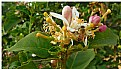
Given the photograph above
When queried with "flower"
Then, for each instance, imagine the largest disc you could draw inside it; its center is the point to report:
(67, 13)
(94, 19)
(73, 27)
(102, 28)
(72, 24)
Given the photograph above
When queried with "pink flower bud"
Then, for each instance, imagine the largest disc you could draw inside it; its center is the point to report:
(67, 13)
(90, 19)
(40, 66)
(102, 28)
(94, 19)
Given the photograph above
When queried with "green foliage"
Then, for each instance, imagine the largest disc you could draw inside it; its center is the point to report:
(104, 39)
(23, 9)
(22, 57)
(14, 65)
(11, 21)
(29, 65)
(37, 45)
(80, 59)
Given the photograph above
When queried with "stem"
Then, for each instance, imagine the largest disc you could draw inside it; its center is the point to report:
(115, 49)
(63, 59)
(44, 59)
(30, 25)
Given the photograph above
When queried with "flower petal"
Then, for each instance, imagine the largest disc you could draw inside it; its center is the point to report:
(67, 13)
(71, 29)
(85, 41)
(84, 24)
(59, 17)
(72, 42)
(75, 13)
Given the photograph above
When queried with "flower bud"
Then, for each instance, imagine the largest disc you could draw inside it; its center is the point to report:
(54, 63)
(94, 19)
(45, 14)
(38, 35)
(102, 28)
(67, 13)
(40, 66)
(64, 28)
(48, 20)
(90, 19)
(41, 35)
(109, 11)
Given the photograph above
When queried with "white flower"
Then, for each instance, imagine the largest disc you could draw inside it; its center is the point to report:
(75, 23)
(74, 26)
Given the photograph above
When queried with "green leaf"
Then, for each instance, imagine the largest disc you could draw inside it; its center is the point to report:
(80, 59)
(22, 57)
(14, 58)
(92, 64)
(91, 67)
(11, 21)
(101, 66)
(104, 39)
(29, 65)
(33, 44)
(14, 65)
(120, 34)
(23, 8)
(54, 50)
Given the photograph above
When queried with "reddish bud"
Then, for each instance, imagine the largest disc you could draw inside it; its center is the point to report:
(94, 19)
(54, 63)
(90, 19)
(40, 66)
(67, 13)
(102, 28)
(108, 66)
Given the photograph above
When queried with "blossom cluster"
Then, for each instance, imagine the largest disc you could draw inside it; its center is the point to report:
(74, 28)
